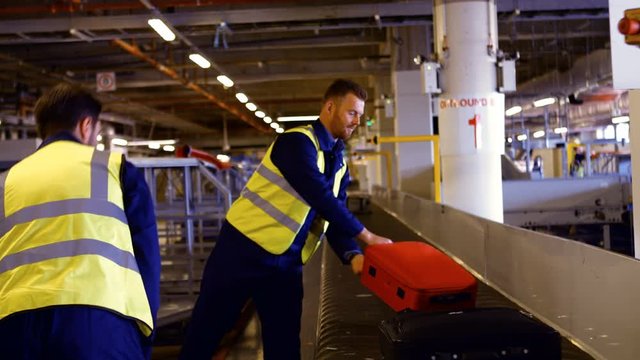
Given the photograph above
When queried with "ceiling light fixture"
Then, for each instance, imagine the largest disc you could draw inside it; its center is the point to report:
(225, 81)
(560, 130)
(162, 29)
(147, 142)
(544, 102)
(521, 137)
(200, 61)
(242, 97)
(620, 119)
(279, 130)
(260, 114)
(298, 118)
(267, 119)
(538, 134)
(119, 142)
(274, 125)
(513, 110)
(251, 106)
(168, 148)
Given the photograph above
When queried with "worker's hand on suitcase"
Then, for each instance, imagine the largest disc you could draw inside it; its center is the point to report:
(357, 263)
(370, 238)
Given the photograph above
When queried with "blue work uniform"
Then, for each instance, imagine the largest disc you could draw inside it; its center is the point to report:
(84, 332)
(239, 269)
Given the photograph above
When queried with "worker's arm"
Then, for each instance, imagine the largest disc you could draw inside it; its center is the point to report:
(295, 155)
(139, 209)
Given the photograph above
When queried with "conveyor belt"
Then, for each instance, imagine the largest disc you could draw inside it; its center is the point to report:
(349, 314)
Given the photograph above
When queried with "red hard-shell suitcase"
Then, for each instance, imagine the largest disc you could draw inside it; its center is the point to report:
(414, 275)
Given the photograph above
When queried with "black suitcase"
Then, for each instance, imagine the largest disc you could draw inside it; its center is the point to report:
(475, 334)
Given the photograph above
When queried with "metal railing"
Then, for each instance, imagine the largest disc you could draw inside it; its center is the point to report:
(190, 204)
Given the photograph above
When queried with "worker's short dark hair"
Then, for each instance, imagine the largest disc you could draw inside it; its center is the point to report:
(62, 107)
(341, 87)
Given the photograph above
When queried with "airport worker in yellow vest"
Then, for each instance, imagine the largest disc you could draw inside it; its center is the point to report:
(79, 257)
(295, 197)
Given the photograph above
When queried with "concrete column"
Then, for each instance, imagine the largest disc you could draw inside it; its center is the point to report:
(413, 115)
(471, 112)
(634, 144)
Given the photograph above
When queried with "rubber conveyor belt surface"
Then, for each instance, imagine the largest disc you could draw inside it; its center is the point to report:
(349, 314)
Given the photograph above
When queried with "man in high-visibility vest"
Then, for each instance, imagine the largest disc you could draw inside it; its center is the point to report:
(293, 199)
(79, 252)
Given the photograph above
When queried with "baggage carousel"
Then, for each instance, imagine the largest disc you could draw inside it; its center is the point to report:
(341, 317)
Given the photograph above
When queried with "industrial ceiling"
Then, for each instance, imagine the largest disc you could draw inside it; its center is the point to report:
(281, 54)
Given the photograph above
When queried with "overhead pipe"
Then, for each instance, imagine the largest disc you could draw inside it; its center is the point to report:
(436, 154)
(172, 73)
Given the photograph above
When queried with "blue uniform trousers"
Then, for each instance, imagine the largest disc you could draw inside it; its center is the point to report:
(239, 269)
(71, 333)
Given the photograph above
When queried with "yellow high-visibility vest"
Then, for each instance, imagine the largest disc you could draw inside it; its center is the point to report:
(270, 212)
(64, 237)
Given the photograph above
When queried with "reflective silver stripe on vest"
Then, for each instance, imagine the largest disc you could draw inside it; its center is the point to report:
(100, 175)
(59, 208)
(68, 249)
(3, 178)
(280, 181)
(265, 206)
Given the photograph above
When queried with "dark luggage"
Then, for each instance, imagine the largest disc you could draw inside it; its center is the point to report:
(475, 334)
(414, 275)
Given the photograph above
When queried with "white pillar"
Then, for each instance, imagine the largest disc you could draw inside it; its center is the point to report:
(634, 144)
(471, 112)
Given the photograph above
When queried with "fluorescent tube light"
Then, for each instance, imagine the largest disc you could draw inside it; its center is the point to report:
(544, 102)
(298, 118)
(225, 81)
(154, 146)
(200, 60)
(620, 119)
(223, 158)
(242, 97)
(560, 130)
(119, 142)
(147, 142)
(513, 110)
(162, 29)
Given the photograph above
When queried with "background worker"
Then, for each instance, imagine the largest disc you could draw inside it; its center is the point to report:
(79, 257)
(276, 225)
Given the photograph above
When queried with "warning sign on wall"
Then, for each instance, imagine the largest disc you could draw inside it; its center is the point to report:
(105, 81)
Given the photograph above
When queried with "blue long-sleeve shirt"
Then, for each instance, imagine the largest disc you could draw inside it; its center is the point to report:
(295, 155)
(138, 207)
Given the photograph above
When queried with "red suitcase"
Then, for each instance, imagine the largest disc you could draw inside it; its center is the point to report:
(414, 275)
